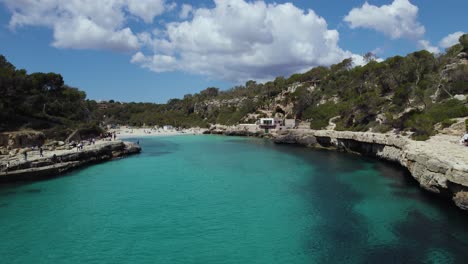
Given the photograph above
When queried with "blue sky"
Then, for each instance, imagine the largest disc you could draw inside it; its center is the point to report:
(151, 51)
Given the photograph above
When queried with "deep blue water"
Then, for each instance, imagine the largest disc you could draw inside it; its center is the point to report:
(210, 199)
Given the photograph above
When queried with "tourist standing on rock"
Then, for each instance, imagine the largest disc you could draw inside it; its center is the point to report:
(41, 150)
(25, 154)
(7, 167)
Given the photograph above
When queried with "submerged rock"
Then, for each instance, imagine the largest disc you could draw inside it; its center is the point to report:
(438, 164)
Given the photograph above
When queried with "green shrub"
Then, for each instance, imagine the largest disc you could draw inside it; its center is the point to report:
(464, 41)
(382, 128)
(447, 122)
(420, 137)
(422, 125)
(449, 109)
(320, 115)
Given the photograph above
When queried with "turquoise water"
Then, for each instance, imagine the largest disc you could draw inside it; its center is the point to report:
(209, 199)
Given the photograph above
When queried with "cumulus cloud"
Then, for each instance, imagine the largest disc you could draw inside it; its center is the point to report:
(146, 9)
(185, 11)
(424, 44)
(85, 24)
(451, 39)
(397, 20)
(266, 40)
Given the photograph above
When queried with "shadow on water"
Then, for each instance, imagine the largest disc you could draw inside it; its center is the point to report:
(343, 235)
(153, 148)
(422, 240)
(10, 189)
(33, 191)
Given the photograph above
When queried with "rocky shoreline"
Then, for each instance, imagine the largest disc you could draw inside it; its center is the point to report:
(57, 162)
(440, 165)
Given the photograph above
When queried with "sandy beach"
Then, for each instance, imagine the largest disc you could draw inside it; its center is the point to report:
(152, 132)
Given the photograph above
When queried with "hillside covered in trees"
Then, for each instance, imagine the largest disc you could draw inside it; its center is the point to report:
(411, 93)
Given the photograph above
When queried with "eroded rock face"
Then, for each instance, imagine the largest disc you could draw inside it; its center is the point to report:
(461, 199)
(437, 164)
(13, 140)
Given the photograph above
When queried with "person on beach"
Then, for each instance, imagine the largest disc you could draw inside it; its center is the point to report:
(464, 139)
(41, 152)
(25, 155)
(7, 167)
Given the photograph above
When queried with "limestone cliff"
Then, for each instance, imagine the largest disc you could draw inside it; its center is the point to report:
(439, 164)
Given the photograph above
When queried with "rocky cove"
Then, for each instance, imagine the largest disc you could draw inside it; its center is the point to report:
(61, 160)
(440, 164)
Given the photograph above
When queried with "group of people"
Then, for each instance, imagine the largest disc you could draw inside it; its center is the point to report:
(110, 135)
(80, 145)
(39, 148)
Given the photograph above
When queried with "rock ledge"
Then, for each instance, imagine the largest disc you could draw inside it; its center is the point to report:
(59, 162)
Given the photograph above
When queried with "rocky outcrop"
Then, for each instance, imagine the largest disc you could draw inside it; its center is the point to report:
(440, 165)
(209, 106)
(21, 139)
(234, 131)
(60, 161)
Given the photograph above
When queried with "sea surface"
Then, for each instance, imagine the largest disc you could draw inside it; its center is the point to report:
(213, 199)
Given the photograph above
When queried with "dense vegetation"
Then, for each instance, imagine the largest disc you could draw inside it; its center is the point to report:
(411, 93)
(40, 101)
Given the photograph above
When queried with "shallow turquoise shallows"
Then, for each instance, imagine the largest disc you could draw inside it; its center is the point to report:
(210, 199)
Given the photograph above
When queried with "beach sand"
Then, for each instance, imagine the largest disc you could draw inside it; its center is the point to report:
(151, 132)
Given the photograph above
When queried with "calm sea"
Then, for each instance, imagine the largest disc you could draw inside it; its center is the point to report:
(211, 199)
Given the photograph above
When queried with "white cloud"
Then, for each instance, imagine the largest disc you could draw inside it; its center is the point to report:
(185, 11)
(88, 35)
(146, 9)
(451, 39)
(397, 20)
(85, 24)
(424, 44)
(238, 40)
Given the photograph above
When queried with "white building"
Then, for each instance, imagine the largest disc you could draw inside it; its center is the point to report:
(270, 123)
(276, 123)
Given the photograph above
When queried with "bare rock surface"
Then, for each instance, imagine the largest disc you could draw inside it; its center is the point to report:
(60, 160)
(440, 164)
